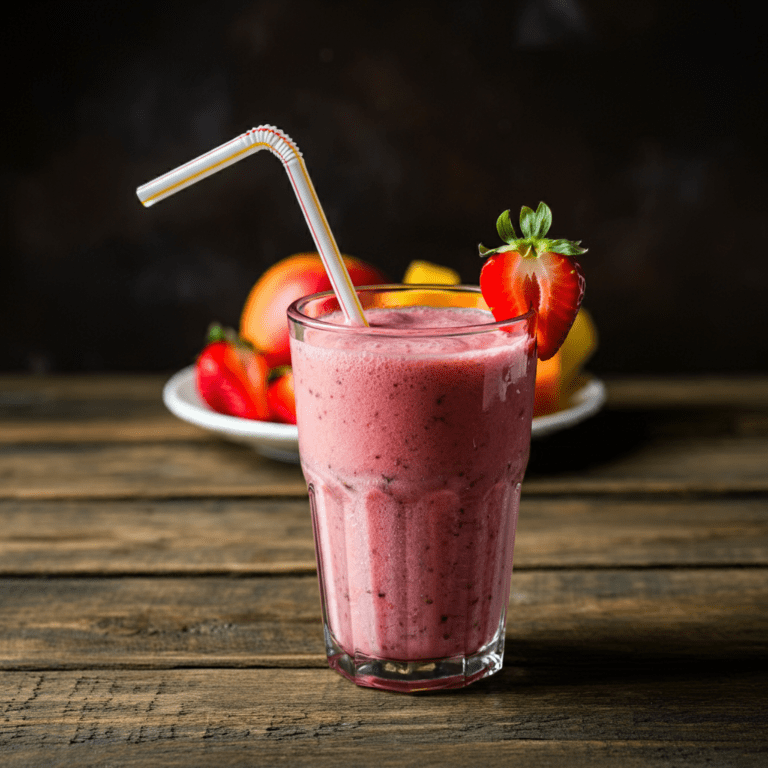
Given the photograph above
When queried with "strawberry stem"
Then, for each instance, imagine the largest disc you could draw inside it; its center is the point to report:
(276, 373)
(215, 333)
(218, 332)
(534, 225)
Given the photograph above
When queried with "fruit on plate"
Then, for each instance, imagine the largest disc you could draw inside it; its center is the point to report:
(534, 271)
(579, 345)
(546, 396)
(263, 322)
(431, 274)
(281, 396)
(559, 377)
(230, 377)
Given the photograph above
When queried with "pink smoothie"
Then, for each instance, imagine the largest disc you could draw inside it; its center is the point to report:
(414, 451)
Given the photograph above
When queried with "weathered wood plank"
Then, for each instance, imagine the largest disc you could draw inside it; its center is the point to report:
(193, 536)
(89, 409)
(701, 464)
(661, 436)
(636, 391)
(649, 714)
(745, 391)
(263, 536)
(664, 449)
(633, 665)
(96, 623)
(211, 468)
(24, 387)
(570, 617)
(130, 422)
(111, 409)
(609, 532)
(356, 750)
(143, 470)
(156, 623)
(129, 429)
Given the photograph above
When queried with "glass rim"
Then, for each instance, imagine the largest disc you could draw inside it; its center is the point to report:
(296, 315)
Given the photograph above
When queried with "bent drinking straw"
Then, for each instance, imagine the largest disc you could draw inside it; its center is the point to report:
(279, 144)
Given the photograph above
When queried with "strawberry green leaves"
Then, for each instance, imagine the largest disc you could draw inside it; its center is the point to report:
(534, 226)
(537, 272)
(505, 228)
(534, 223)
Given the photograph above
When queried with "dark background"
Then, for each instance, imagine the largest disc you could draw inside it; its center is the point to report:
(642, 124)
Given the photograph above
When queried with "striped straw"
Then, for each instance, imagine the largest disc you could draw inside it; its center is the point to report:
(279, 144)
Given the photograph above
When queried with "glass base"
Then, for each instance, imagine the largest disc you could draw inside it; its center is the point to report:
(421, 674)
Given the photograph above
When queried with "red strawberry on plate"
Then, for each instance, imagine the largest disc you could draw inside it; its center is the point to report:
(534, 271)
(232, 378)
(281, 396)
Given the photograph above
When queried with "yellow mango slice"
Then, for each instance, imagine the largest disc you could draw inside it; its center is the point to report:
(579, 345)
(547, 394)
(559, 377)
(430, 274)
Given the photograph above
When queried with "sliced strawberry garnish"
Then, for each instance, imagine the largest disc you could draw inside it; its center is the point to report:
(534, 271)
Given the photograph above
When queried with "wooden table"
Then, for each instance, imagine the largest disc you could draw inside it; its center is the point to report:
(159, 606)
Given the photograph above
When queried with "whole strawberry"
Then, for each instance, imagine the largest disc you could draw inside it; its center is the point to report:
(231, 378)
(281, 395)
(534, 271)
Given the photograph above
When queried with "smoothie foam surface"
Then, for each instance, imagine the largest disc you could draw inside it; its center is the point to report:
(413, 331)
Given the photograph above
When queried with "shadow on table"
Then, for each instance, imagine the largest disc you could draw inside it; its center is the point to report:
(606, 437)
(619, 431)
(651, 657)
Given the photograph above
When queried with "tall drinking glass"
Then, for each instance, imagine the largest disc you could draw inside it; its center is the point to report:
(414, 435)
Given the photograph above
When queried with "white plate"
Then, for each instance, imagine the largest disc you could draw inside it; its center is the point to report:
(281, 441)
(277, 441)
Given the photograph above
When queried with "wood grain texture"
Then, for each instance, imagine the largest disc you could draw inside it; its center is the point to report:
(108, 409)
(357, 750)
(172, 536)
(580, 618)
(130, 429)
(711, 465)
(108, 437)
(643, 391)
(159, 606)
(599, 532)
(148, 470)
(76, 409)
(125, 387)
(143, 470)
(302, 716)
(673, 392)
(274, 536)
